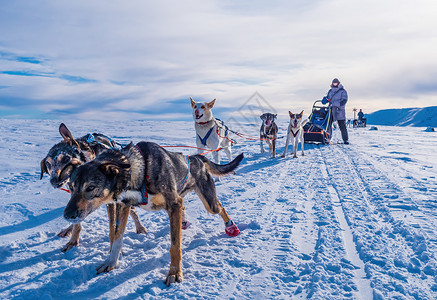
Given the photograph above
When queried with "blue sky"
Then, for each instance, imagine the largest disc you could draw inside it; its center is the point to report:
(144, 59)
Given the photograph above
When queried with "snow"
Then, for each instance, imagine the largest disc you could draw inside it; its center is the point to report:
(342, 222)
(419, 117)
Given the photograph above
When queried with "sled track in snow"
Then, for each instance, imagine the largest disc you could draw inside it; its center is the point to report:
(365, 290)
(391, 249)
(414, 199)
(327, 262)
(395, 199)
(281, 200)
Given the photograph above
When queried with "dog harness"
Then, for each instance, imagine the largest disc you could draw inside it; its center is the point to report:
(220, 124)
(92, 139)
(205, 138)
(144, 194)
(186, 177)
(294, 134)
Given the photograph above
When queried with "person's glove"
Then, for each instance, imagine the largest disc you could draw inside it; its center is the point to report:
(325, 100)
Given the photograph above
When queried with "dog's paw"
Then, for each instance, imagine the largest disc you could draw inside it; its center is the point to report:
(295, 156)
(141, 230)
(66, 232)
(303, 154)
(107, 266)
(185, 225)
(173, 277)
(283, 155)
(69, 246)
(232, 230)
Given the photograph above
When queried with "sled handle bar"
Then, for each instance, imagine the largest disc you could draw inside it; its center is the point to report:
(321, 104)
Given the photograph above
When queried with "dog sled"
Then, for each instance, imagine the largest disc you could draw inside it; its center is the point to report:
(359, 123)
(318, 128)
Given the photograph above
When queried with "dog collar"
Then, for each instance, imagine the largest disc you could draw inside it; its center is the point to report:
(204, 123)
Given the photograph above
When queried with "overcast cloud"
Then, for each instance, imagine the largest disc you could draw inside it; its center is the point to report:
(144, 59)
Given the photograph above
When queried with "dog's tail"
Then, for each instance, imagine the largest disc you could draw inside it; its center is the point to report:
(221, 170)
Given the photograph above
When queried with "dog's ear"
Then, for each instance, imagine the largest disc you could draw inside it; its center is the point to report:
(275, 116)
(211, 104)
(112, 169)
(301, 113)
(193, 103)
(129, 146)
(262, 116)
(43, 168)
(291, 114)
(68, 137)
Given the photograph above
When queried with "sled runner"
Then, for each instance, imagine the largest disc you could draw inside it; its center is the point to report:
(317, 130)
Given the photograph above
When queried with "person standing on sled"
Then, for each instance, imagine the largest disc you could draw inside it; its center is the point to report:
(337, 97)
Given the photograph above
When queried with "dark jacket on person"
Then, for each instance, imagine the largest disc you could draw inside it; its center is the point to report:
(338, 98)
(360, 115)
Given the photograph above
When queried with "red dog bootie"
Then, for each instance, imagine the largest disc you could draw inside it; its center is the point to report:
(231, 229)
(185, 225)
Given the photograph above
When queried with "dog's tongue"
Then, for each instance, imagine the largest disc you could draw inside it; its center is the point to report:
(268, 122)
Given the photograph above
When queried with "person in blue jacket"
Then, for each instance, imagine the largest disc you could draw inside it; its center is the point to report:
(337, 97)
(360, 115)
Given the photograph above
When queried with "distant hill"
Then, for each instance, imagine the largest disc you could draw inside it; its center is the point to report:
(419, 117)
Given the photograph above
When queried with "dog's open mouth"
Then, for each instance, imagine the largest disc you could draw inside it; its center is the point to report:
(199, 116)
(65, 175)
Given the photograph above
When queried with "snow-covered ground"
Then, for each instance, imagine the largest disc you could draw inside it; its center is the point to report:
(356, 221)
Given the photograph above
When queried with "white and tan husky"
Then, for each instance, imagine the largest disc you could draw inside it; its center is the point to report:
(295, 133)
(211, 133)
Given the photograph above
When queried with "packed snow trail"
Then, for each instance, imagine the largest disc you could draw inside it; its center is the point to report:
(342, 222)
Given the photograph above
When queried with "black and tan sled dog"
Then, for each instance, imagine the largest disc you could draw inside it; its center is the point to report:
(64, 157)
(148, 176)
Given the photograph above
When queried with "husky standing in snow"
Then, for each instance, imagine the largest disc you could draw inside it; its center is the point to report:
(148, 176)
(295, 133)
(268, 132)
(210, 132)
(64, 157)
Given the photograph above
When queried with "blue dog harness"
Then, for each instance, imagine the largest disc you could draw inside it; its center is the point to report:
(92, 139)
(220, 124)
(205, 138)
(186, 177)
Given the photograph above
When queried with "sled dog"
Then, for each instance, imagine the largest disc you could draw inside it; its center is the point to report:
(211, 133)
(268, 132)
(148, 176)
(64, 157)
(295, 133)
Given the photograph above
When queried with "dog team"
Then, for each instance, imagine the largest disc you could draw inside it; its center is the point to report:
(96, 172)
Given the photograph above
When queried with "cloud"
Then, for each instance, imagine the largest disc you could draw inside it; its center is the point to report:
(139, 58)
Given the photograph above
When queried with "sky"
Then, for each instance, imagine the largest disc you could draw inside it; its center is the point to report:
(144, 59)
